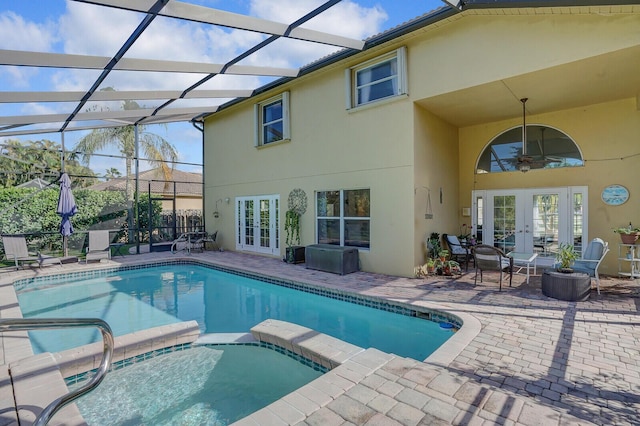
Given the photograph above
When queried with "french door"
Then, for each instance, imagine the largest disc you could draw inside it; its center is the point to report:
(531, 220)
(257, 220)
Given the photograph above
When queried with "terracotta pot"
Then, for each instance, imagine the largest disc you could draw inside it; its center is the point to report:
(629, 238)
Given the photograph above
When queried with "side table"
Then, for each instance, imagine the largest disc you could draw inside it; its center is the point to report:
(573, 287)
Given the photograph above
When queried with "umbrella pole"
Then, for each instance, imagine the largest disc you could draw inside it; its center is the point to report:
(65, 248)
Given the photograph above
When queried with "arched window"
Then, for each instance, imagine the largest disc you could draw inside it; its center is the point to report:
(547, 148)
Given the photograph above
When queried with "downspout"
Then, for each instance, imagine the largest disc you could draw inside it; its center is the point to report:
(199, 125)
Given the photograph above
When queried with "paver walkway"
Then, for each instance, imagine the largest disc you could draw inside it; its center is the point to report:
(535, 360)
(580, 358)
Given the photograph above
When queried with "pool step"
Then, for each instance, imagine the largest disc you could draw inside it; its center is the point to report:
(222, 338)
(37, 381)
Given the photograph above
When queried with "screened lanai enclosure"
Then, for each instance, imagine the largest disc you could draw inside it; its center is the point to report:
(120, 109)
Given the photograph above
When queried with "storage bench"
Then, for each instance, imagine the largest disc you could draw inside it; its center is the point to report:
(330, 258)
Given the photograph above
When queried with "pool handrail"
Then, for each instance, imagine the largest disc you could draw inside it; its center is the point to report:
(24, 324)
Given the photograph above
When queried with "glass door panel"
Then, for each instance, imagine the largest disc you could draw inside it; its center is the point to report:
(248, 223)
(546, 222)
(265, 222)
(504, 222)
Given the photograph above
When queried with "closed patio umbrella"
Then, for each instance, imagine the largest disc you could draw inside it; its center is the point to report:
(66, 208)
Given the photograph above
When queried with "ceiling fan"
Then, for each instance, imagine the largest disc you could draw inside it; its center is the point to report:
(526, 162)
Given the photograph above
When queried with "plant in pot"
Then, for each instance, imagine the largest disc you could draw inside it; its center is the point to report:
(628, 234)
(565, 257)
(433, 245)
(297, 206)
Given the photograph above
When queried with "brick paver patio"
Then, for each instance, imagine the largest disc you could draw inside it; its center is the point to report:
(534, 361)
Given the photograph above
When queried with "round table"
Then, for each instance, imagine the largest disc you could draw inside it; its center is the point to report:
(574, 287)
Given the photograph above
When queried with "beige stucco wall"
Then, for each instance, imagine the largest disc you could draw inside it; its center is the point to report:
(606, 134)
(489, 47)
(399, 148)
(183, 203)
(436, 169)
(330, 149)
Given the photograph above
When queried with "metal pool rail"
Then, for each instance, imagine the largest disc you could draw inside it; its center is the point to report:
(54, 323)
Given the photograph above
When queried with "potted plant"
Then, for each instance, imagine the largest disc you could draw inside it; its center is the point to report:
(433, 245)
(450, 267)
(297, 206)
(565, 257)
(628, 234)
(443, 254)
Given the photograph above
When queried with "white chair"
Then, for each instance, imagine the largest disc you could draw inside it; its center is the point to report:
(596, 250)
(15, 248)
(98, 248)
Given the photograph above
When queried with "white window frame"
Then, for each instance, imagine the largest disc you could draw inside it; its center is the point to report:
(260, 123)
(342, 218)
(400, 55)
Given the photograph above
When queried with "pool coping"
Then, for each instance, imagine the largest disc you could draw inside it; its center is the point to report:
(470, 327)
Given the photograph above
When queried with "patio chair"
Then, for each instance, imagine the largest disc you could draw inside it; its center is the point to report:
(211, 239)
(596, 250)
(459, 252)
(15, 248)
(98, 248)
(490, 258)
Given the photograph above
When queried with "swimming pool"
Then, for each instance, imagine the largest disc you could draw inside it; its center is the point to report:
(138, 298)
(212, 385)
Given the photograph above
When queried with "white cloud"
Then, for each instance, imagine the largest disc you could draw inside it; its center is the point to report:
(95, 30)
(18, 34)
(347, 19)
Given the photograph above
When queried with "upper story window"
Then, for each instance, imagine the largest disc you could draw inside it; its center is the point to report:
(380, 78)
(272, 120)
(547, 148)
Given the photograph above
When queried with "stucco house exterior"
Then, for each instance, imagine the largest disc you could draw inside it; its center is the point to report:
(420, 132)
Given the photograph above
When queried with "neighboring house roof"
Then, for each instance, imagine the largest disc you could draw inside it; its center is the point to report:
(34, 183)
(187, 183)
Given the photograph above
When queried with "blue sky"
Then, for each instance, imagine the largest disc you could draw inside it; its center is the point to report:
(63, 26)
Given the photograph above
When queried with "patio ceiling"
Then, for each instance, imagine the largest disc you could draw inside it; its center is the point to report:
(84, 109)
(598, 79)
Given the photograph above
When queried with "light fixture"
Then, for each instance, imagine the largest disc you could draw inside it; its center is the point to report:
(524, 161)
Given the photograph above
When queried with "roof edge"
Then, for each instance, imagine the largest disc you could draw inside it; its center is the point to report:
(376, 40)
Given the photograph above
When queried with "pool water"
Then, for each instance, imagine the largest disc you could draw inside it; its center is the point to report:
(214, 385)
(220, 302)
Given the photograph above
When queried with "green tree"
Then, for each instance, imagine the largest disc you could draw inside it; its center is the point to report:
(21, 162)
(112, 173)
(155, 149)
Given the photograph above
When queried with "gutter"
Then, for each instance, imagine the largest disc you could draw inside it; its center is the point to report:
(384, 37)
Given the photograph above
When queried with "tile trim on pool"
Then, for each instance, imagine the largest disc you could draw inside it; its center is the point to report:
(369, 301)
(118, 365)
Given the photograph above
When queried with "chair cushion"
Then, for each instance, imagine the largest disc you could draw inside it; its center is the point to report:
(585, 268)
(594, 249)
(455, 246)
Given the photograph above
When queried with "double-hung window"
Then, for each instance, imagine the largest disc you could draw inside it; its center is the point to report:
(272, 120)
(380, 78)
(343, 217)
